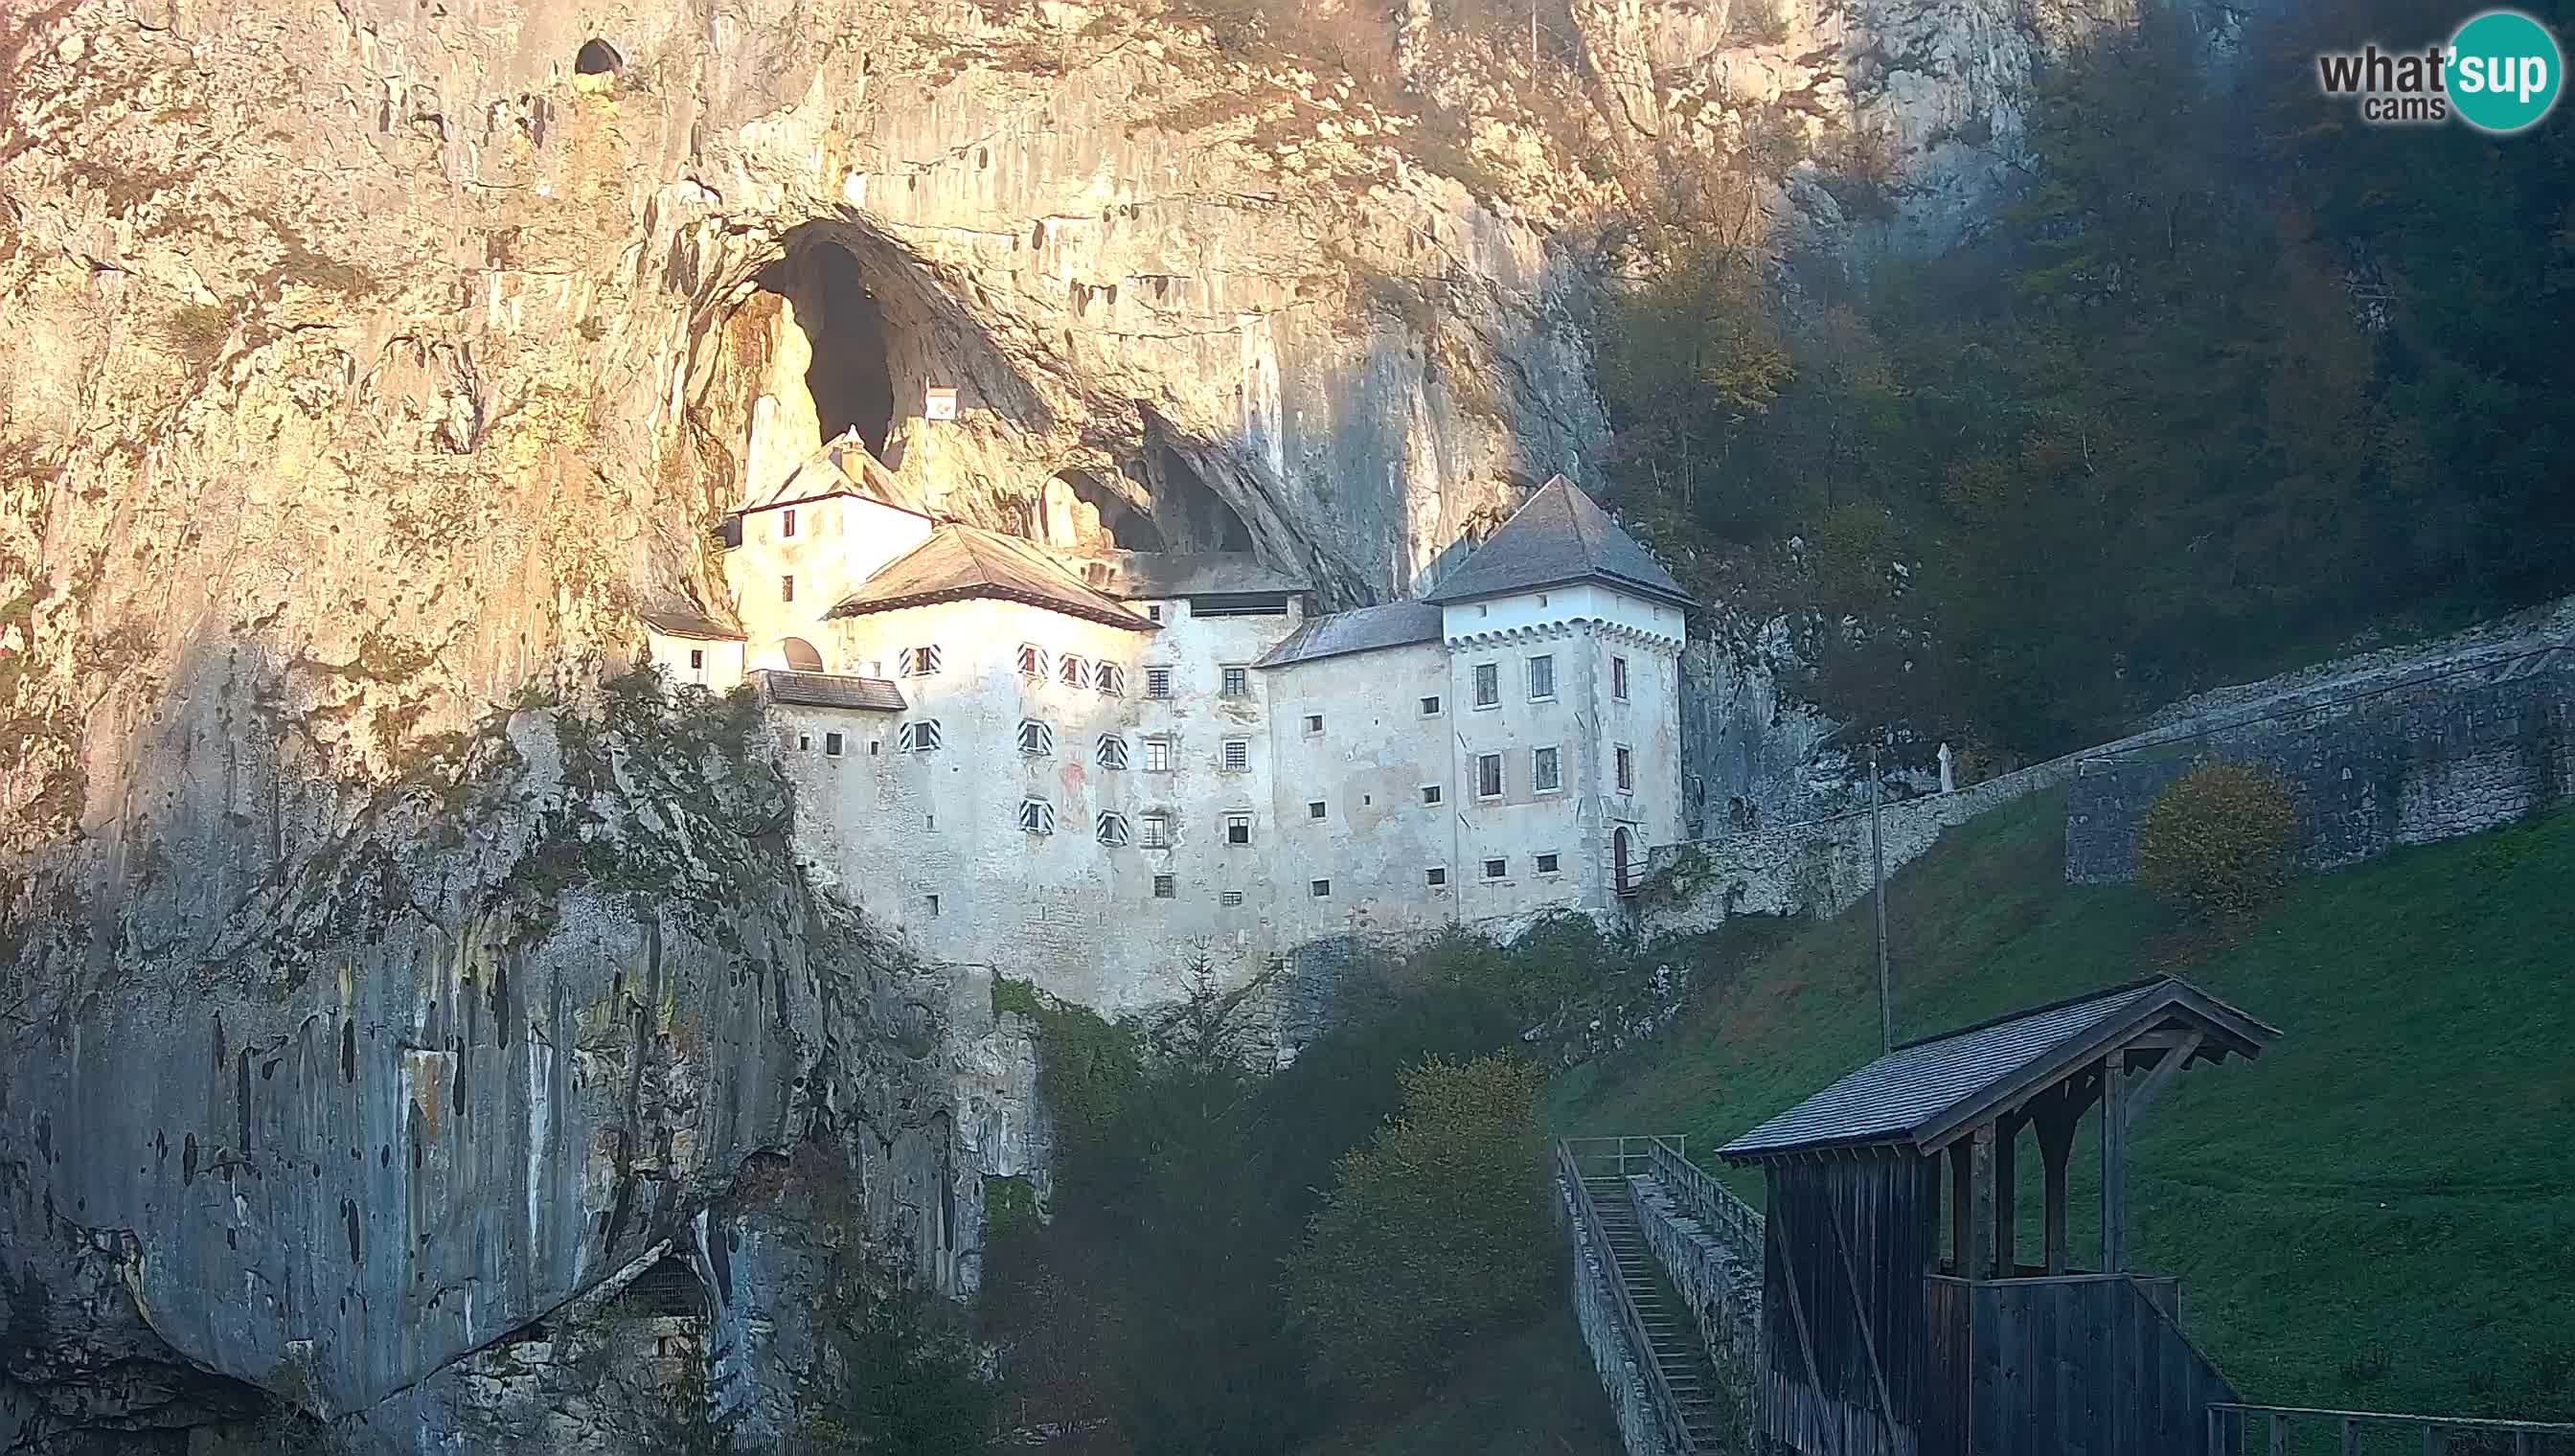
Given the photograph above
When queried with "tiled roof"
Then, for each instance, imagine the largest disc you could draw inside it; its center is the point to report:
(842, 466)
(962, 562)
(1141, 575)
(1560, 535)
(689, 622)
(1919, 1092)
(1394, 624)
(832, 690)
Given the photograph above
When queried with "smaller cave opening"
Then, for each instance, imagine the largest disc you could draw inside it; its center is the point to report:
(1080, 512)
(597, 58)
(1206, 520)
(669, 1288)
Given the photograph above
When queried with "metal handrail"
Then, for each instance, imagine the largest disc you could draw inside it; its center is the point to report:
(1713, 1202)
(2434, 1428)
(1667, 1406)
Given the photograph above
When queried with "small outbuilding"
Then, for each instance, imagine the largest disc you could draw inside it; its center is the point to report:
(1899, 1317)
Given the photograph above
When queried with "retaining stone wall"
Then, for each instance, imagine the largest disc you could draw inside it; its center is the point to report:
(1715, 1278)
(1596, 1309)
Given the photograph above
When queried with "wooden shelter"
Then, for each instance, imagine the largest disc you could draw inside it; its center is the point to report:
(1889, 1328)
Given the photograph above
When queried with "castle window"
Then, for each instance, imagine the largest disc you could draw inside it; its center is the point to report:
(831, 744)
(1237, 682)
(1157, 682)
(696, 659)
(787, 589)
(1110, 679)
(920, 736)
(1627, 770)
(1488, 775)
(1547, 771)
(1111, 830)
(1315, 808)
(1229, 899)
(1618, 679)
(1033, 661)
(1320, 888)
(1036, 817)
(1488, 684)
(1237, 829)
(1497, 869)
(933, 904)
(1238, 754)
(1541, 678)
(1037, 740)
(1074, 671)
(1158, 755)
(1431, 794)
(803, 742)
(1165, 887)
(1153, 613)
(1157, 831)
(1431, 705)
(920, 662)
(1435, 876)
(1313, 725)
(787, 523)
(1110, 751)
(1546, 865)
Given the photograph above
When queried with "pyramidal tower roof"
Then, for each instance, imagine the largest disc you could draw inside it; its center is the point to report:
(1557, 536)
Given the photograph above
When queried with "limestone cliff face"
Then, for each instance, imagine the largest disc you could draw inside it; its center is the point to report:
(370, 984)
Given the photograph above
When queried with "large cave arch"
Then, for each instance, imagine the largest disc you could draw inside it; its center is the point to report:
(853, 368)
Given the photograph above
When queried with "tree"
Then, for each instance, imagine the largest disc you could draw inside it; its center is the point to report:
(1433, 1234)
(2217, 844)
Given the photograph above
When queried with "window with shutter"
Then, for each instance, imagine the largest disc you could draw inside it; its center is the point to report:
(1037, 740)
(1036, 817)
(1111, 751)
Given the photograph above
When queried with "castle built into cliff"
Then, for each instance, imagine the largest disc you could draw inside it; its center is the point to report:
(1090, 769)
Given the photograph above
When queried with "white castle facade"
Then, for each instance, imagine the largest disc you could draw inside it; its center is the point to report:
(1089, 771)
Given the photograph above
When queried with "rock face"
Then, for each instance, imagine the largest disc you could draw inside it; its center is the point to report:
(371, 984)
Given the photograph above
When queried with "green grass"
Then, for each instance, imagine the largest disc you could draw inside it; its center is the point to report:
(2379, 1213)
(1529, 1392)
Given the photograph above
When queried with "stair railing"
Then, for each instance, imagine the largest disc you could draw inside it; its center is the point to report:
(1658, 1389)
(2228, 1419)
(1709, 1202)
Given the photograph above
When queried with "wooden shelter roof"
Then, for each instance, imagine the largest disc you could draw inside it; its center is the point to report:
(1924, 1094)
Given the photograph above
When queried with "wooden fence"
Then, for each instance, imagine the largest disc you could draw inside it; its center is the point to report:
(2231, 1424)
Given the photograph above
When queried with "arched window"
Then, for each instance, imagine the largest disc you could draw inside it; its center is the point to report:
(1072, 672)
(1033, 661)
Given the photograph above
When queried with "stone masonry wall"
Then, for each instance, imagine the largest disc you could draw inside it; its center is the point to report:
(1596, 1309)
(2427, 759)
(1709, 1242)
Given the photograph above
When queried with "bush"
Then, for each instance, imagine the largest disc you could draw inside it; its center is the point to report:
(2217, 844)
(1434, 1234)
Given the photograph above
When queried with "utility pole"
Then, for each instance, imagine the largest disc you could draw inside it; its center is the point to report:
(1878, 859)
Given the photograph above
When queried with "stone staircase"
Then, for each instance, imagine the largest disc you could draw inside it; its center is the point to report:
(1677, 1349)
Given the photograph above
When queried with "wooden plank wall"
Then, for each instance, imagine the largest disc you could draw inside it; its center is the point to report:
(2083, 1367)
(1846, 1247)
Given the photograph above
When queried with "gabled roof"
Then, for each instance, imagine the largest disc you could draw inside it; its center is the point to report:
(842, 466)
(1137, 576)
(959, 563)
(1394, 624)
(832, 690)
(690, 621)
(1925, 1093)
(1560, 536)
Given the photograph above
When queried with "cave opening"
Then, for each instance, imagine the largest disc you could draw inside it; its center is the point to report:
(1126, 527)
(851, 374)
(669, 1288)
(597, 58)
(1206, 521)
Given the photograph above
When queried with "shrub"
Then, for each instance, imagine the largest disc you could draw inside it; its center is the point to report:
(2217, 844)
(1433, 1234)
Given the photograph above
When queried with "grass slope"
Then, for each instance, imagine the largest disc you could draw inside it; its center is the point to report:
(2379, 1213)
(1530, 1392)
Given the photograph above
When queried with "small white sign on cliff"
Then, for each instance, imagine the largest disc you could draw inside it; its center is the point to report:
(941, 406)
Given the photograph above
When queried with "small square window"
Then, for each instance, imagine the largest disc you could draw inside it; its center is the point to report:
(1037, 740)
(1313, 724)
(787, 527)
(1237, 829)
(1321, 888)
(1488, 775)
(1238, 754)
(1626, 772)
(1488, 684)
(1314, 808)
(696, 659)
(1431, 794)
(1546, 865)
(933, 904)
(787, 589)
(1618, 679)
(1431, 705)
(1157, 831)
(1541, 678)
(1166, 887)
(1435, 876)
(1157, 682)
(1158, 755)
(1497, 869)
(918, 662)
(803, 742)
(1229, 899)
(1111, 751)
(1036, 817)
(1110, 830)
(920, 736)
(876, 747)
(831, 744)
(1237, 682)
(1547, 771)
(1153, 613)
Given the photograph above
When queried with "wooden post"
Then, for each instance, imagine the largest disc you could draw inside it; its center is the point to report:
(2055, 1150)
(2279, 1435)
(1963, 1199)
(2115, 1165)
(2350, 1437)
(1980, 1241)
(2006, 1197)
(2432, 1442)
(2217, 1432)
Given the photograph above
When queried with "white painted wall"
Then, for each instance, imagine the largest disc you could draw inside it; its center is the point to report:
(697, 661)
(840, 542)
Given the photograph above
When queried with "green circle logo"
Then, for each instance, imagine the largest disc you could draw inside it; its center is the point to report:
(2505, 71)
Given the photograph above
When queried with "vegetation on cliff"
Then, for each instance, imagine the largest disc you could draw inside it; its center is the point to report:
(2377, 1214)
